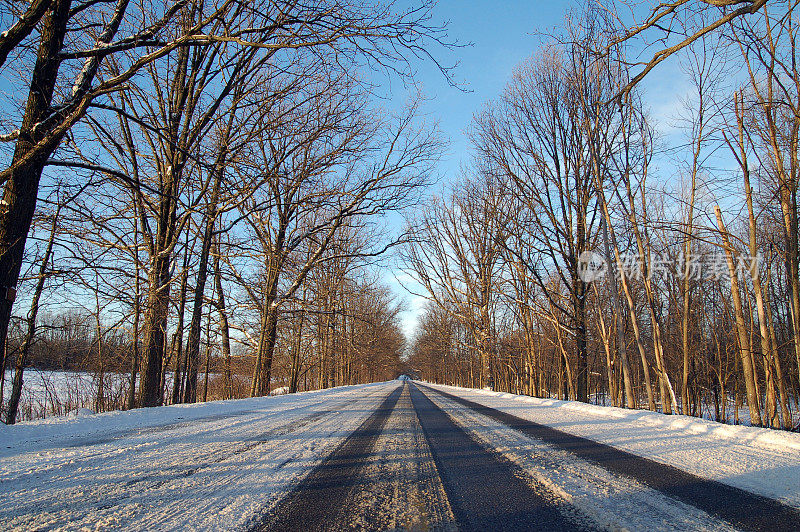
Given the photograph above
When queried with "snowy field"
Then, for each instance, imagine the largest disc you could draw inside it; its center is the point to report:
(47, 393)
(56, 393)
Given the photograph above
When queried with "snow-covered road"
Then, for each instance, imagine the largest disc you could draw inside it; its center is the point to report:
(212, 466)
(389, 456)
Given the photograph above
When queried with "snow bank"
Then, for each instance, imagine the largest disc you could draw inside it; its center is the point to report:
(737, 433)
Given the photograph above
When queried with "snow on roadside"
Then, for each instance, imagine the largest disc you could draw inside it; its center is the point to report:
(63, 431)
(203, 467)
(762, 461)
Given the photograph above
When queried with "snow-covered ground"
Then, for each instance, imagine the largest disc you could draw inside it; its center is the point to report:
(203, 466)
(762, 461)
(733, 414)
(47, 393)
(55, 393)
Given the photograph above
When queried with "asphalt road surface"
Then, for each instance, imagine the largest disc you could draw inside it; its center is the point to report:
(415, 464)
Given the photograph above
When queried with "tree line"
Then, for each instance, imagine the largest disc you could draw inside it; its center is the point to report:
(207, 183)
(197, 195)
(586, 257)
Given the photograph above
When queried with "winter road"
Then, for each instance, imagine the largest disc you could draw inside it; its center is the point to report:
(395, 455)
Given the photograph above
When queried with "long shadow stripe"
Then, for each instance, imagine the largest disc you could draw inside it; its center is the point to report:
(736, 506)
(485, 490)
(318, 502)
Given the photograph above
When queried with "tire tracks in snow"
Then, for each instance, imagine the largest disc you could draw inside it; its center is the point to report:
(226, 423)
(399, 487)
(248, 445)
(738, 507)
(100, 498)
(207, 502)
(252, 443)
(318, 501)
(486, 490)
(409, 466)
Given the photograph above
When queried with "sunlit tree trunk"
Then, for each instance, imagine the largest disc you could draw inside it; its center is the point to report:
(748, 370)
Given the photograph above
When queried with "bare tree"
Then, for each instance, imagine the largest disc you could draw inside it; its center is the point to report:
(69, 55)
(456, 255)
(535, 137)
(177, 49)
(674, 26)
(45, 269)
(331, 163)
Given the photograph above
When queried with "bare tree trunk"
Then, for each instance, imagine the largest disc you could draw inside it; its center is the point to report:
(3, 376)
(223, 324)
(643, 244)
(262, 373)
(609, 238)
(99, 405)
(295, 367)
(21, 189)
(604, 337)
(651, 402)
(788, 200)
(744, 341)
(706, 76)
(781, 139)
(579, 291)
(686, 289)
(767, 350)
(155, 331)
(269, 351)
(782, 392)
(254, 383)
(19, 367)
(208, 360)
(177, 337)
(193, 342)
(566, 387)
(137, 313)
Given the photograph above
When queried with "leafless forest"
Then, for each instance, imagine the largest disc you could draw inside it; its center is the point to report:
(199, 196)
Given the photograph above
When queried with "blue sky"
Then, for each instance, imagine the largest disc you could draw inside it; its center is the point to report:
(496, 37)
(501, 35)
